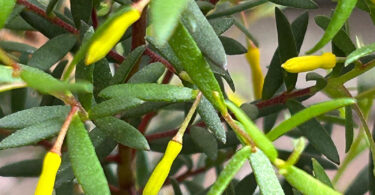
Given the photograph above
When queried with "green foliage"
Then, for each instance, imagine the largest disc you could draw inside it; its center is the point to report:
(130, 102)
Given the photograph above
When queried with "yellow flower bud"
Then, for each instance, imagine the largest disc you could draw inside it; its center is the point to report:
(307, 63)
(109, 34)
(46, 181)
(253, 58)
(161, 171)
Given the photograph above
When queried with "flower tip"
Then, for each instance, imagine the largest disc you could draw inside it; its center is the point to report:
(47, 178)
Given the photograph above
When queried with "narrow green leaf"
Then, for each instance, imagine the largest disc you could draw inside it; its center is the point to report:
(265, 174)
(33, 116)
(231, 46)
(176, 187)
(220, 25)
(85, 163)
(113, 106)
(41, 24)
(150, 92)
(148, 74)
(237, 8)
(165, 15)
(341, 39)
(6, 75)
(305, 4)
(124, 69)
(196, 66)
(85, 73)
(287, 46)
(360, 184)
(247, 185)
(123, 132)
(360, 52)
(81, 10)
(269, 122)
(315, 133)
(260, 140)
(305, 160)
(342, 12)
(26, 168)
(45, 83)
(307, 114)
(210, 117)
(305, 183)
(143, 169)
(320, 174)
(6, 8)
(205, 141)
(203, 34)
(15, 46)
(32, 134)
(52, 51)
(51, 6)
(230, 170)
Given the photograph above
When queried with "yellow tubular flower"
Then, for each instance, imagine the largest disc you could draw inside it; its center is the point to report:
(46, 181)
(253, 58)
(110, 35)
(307, 63)
(161, 171)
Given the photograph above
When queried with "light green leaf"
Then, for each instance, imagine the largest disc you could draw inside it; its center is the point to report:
(229, 171)
(307, 114)
(342, 12)
(85, 163)
(165, 15)
(6, 75)
(6, 8)
(240, 7)
(360, 52)
(264, 173)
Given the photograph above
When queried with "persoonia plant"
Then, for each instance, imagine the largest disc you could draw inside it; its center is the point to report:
(90, 107)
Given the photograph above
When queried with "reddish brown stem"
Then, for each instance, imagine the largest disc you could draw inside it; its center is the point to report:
(113, 158)
(282, 98)
(94, 18)
(145, 121)
(114, 189)
(156, 58)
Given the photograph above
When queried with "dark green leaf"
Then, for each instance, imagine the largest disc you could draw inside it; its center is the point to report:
(143, 168)
(305, 162)
(321, 82)
(122, 132)
(124, 69)
(6, 8)
(315, 133)
(237, 8)
(341, 39)
(85, 163)
(52, 51)
(26, 168)
(195, 65)
(102, 76)
(220, 25)
(113, 106)
(210, 117)
(230, 170)
(81, 10)
(33, 116)
(205, 141)
(341, 14)
(203, 34)
(41, 24)
(320, 174)
(360, 184)
(305, 4)
(231, 46)
(176, 187)
(269, 122)
(349, 131)
(247, 185)
(15, 46)
(250, 110)
(148, 74)
(264, 173)
(287, 46)
(165, 15)
(32, 134)
(150, 92)
(85, 73)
